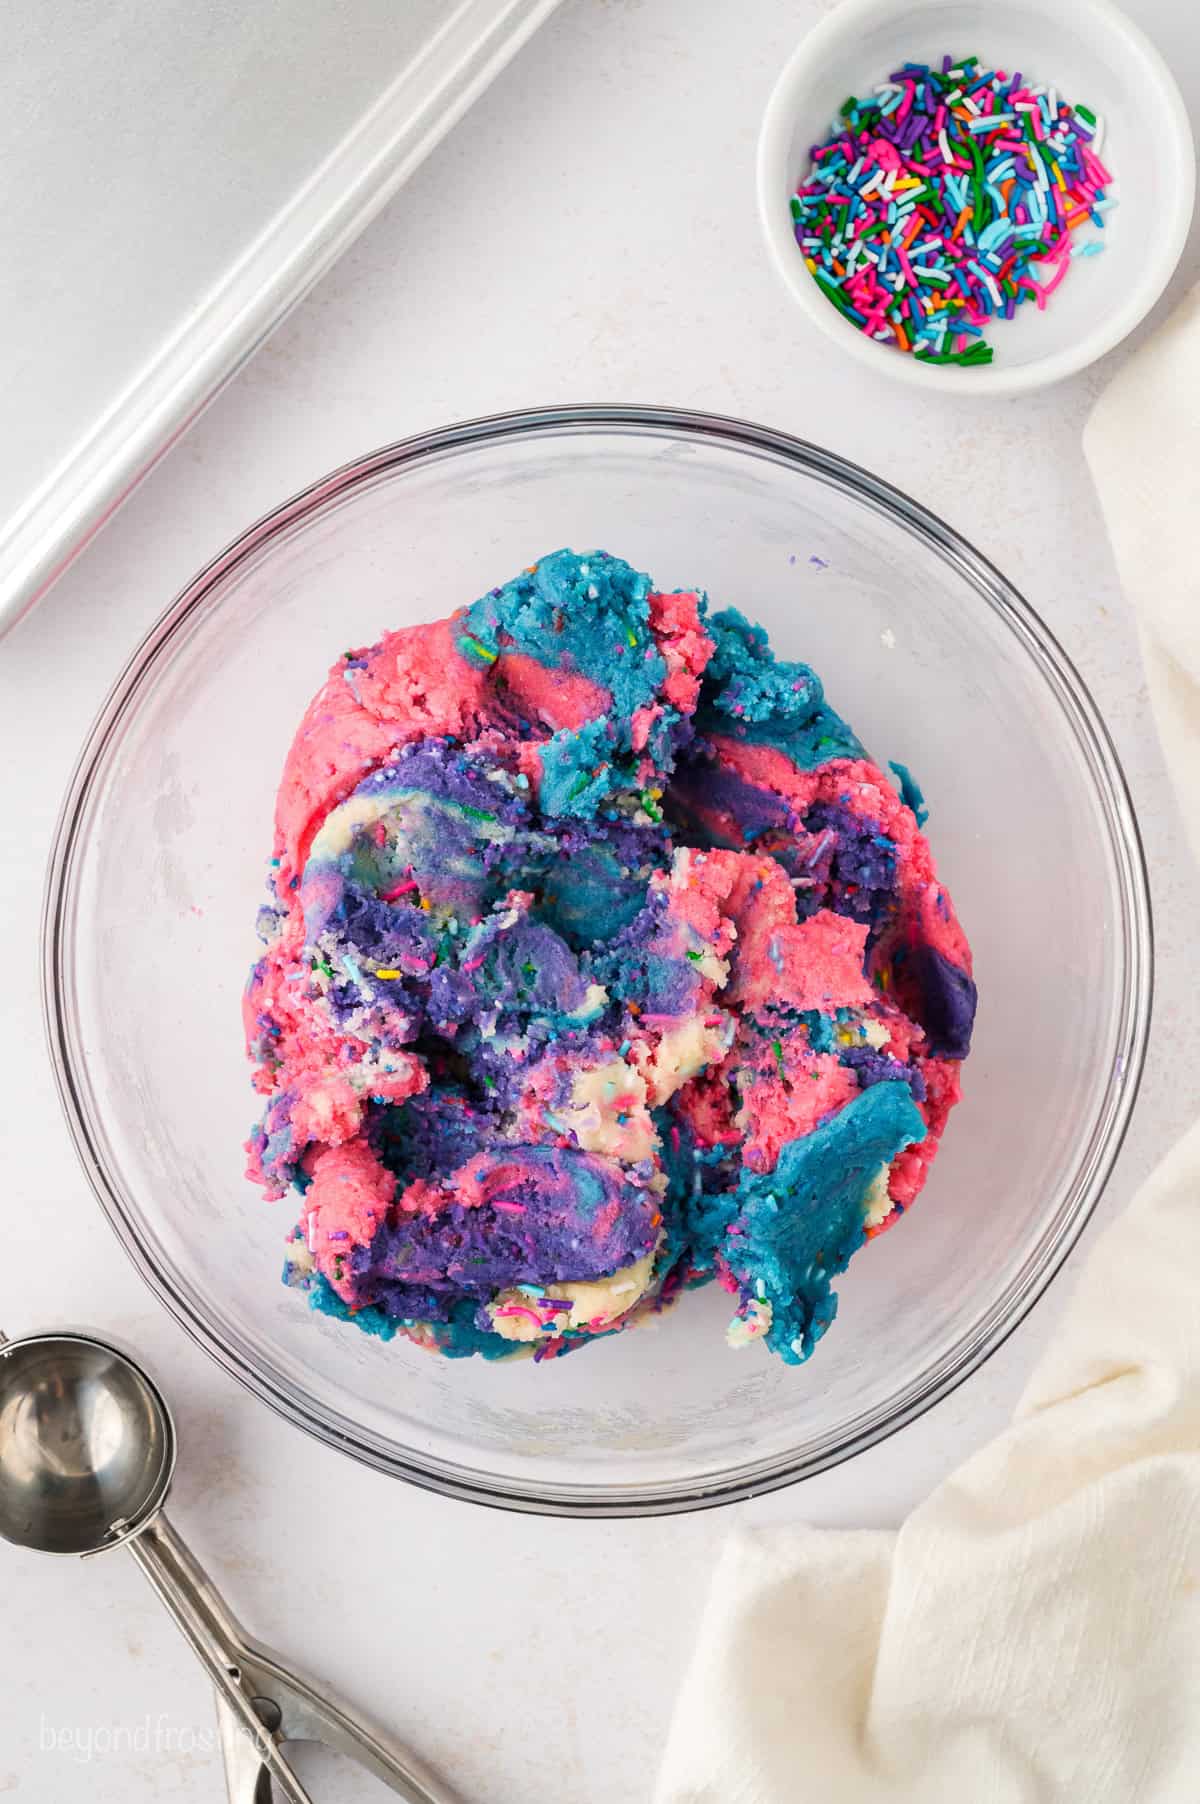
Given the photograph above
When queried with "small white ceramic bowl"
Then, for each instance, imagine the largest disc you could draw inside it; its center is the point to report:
(1092, 54)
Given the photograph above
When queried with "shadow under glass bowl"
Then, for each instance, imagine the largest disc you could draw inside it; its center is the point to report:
(159, 866)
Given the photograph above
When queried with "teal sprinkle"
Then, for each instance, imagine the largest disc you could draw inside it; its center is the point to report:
(910, 791)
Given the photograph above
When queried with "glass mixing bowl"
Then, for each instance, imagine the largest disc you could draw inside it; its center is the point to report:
(159, 867)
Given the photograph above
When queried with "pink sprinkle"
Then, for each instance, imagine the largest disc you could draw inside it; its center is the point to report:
(520, 1309)
(1060, 247)
(399, 889)
(510, 1208)
(1049, 287)
(1095, 167)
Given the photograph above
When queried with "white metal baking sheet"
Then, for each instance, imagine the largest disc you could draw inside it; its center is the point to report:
(174, 174)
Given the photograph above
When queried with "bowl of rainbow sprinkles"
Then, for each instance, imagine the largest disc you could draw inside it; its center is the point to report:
(971, 199)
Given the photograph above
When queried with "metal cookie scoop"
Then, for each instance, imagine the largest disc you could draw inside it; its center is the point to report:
(87, 1452)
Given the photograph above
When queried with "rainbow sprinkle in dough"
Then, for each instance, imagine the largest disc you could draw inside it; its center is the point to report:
(600, 962)
(946, 200)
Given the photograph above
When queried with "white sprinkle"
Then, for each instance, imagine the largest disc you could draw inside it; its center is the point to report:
(887, 639)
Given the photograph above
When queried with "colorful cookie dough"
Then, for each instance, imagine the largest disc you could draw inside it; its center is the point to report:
(600, 961)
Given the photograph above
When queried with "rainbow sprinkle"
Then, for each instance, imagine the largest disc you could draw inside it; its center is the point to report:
(948, 198)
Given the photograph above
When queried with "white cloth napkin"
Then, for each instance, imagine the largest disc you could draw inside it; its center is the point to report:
(1031, 1635)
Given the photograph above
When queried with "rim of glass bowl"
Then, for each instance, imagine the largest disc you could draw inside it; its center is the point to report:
(1059, 1234)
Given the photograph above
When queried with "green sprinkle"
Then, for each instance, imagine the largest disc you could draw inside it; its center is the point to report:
(977, 353)
(479, 648)
(982, 210)
(476, 814)
(778, 1050)
(695, 957)
(1086, 114)
(834, 294)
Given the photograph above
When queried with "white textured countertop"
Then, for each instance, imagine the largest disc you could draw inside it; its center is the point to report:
(587, 234)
